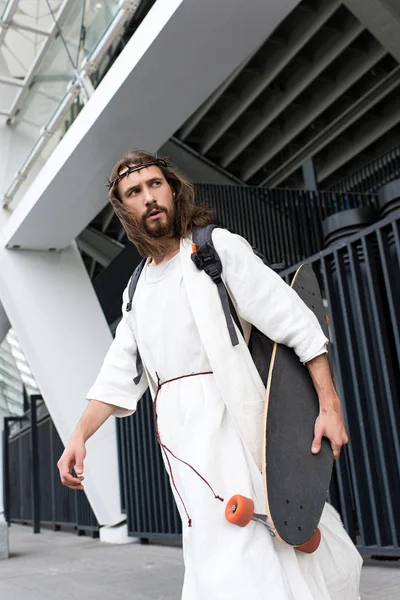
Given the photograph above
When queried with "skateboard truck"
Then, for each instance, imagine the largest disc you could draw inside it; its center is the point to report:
(239, 511)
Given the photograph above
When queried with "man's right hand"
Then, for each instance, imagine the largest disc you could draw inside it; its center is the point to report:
(72, 458)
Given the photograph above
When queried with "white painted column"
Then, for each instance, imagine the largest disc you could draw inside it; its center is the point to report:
(56, 315)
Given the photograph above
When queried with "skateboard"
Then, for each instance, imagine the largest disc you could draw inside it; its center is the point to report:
(296, 482)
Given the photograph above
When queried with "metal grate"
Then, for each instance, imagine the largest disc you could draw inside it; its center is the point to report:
(286, 225)
(372, 177)
(58, 505)
(150, 506)
(360, 282)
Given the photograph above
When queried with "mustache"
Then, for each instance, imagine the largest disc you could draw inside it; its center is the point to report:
(154, 207)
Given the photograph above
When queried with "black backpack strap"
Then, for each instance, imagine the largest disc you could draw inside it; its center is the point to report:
(131, 290)
(206, 259)
(133, 284)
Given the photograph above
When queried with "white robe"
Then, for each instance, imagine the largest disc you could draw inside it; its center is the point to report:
(214, 422)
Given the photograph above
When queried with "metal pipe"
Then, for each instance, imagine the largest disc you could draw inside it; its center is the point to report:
(7, 17)
(12, 81)
(35, 484)
(21, 27)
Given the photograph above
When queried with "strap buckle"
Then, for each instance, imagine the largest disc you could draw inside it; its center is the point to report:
(206, 259)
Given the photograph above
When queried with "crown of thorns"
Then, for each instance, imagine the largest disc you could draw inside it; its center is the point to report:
(158, 162)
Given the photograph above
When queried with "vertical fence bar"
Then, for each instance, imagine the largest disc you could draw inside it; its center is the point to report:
(35, 466)
(6, 476)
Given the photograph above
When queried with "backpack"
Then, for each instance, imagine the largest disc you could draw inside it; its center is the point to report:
(205, 257)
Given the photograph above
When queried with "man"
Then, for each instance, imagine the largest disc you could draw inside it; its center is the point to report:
(208, 397)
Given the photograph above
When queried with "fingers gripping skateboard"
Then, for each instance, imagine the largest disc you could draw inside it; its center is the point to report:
(239, 511)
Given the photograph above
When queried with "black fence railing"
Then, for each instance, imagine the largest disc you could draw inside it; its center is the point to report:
(373, 176)
(33, 493)
(360, 279)
(286, 225)
(145, 490)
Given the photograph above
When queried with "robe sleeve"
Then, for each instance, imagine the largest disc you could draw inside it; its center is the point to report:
(115, 381)
(265, 300)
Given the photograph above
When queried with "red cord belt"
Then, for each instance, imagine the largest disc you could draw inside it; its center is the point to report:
(166, 450)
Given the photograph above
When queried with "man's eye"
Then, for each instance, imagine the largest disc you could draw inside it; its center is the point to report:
(132, 192)
(156, 183)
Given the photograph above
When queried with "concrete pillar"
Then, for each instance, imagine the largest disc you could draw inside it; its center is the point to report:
(56, 315)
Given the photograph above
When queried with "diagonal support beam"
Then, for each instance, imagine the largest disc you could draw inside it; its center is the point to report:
(304, 76)
(14, 81)
(382, 19)
(335, 128)
(364, 137)
(7, 17)
(297, 120)
(98, 246)
(29, 28)
(209, 103)
(273, 65)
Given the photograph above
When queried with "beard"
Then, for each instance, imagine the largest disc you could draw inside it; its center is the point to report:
(149, 237)
(159, 227)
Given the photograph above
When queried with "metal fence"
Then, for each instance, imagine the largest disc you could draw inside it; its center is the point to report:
(286, 225)
(145, 490)
(359, 279)
(33, 493)
(372, 177)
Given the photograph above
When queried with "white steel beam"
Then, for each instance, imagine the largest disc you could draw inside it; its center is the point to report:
(65, 336)
(332, 48)
(335, 128)
(49, 215)
(7, 17)
(297, 121)
(23, 27)
(14, 81)
(273, 65)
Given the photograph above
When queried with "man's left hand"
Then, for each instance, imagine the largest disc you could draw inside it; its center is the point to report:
(330, 424)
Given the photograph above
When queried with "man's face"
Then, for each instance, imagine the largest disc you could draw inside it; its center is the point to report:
(148, 197)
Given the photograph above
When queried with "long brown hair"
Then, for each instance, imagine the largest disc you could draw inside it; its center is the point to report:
(187, 213)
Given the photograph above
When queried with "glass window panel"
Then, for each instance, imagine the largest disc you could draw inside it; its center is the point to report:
(98, 16)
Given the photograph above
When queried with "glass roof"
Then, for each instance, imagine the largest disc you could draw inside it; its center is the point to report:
(42, 47)
(24, 27)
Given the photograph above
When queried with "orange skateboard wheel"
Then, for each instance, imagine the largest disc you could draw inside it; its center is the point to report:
(239, 510)
(312, 544)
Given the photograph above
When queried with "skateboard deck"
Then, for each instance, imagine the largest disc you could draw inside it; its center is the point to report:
(296, 481)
